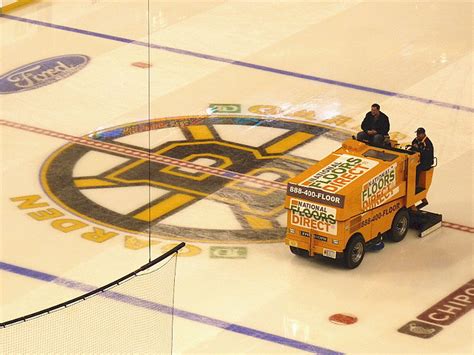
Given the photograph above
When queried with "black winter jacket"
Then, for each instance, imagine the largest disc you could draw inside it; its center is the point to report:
(426, 149)
(381, 124)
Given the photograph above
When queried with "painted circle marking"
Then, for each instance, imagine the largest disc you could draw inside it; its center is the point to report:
(343, 319)
(251, 208)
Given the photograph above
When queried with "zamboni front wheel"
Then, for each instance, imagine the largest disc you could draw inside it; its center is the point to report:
(400, 225)
(354, 253)
(299, 251)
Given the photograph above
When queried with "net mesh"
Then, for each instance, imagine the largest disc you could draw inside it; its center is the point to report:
(133, 317)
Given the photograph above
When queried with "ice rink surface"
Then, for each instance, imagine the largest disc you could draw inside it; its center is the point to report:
(248, 76)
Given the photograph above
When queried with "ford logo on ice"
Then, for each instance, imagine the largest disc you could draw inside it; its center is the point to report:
(41, 73)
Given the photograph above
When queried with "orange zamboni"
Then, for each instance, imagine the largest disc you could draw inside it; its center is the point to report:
(354, 197)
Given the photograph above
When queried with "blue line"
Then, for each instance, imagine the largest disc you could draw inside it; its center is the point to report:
(247, 65)
(168, 310)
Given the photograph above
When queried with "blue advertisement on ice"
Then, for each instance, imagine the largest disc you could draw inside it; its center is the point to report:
(41, 73)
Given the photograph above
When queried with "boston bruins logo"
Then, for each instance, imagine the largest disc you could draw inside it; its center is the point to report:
(192, 178)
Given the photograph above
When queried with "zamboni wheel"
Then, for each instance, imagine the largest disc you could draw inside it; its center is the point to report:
(354, 253)
(299, 251)
(400, 225)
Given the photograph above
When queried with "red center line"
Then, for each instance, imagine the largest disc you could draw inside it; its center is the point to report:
(136, 153)
(458, 227)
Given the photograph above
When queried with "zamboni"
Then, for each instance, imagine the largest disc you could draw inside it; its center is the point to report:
(355, 197)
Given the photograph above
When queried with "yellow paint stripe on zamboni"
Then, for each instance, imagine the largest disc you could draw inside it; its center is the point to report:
(289, 142)
(163, 207)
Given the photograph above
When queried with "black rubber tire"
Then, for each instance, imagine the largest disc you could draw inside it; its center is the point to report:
(400, 225)
(299, 251)
(355, 251)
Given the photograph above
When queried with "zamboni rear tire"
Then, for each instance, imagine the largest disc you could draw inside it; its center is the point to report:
(299, 251)
(354, 253)
(400, 225)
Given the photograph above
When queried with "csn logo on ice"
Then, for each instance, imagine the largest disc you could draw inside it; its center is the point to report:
(41, 73)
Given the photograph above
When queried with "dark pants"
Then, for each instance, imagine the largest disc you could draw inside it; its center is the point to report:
(376, 139)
